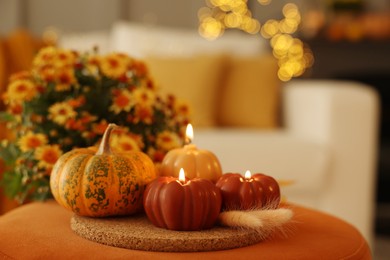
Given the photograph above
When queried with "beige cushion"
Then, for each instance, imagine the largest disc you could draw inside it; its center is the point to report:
(193, 79)
(251, 91)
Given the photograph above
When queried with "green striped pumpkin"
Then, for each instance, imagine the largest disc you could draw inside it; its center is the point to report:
(101, 183)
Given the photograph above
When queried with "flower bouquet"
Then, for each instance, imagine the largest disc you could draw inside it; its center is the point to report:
(67, 100)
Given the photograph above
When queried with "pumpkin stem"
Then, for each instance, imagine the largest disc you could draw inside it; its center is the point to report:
(104, 147)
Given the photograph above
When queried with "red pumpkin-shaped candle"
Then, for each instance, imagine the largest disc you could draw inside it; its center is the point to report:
(249, 192)
(182, 204)
(197, 163)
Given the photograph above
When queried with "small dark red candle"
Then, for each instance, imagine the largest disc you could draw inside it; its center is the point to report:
(181, 204)
(248, 192)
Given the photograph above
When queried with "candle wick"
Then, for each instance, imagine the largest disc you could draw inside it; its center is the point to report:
(187, 141)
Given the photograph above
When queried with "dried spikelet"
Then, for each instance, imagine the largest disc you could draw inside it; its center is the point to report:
(273, 217)
(263, 221)
(240, 219)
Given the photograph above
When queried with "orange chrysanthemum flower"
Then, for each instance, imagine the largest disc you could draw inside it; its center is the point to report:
(76, 102)
(31, 141)
(140, 68)
(143, 114)
(47, 155)
(81, 123)
(67, 99)
(122, 101)
(100, 127)
(15, 108)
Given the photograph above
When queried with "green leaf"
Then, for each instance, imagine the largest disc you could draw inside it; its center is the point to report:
(40, 190)
(6, 117)
(12, 183)
(9, 153)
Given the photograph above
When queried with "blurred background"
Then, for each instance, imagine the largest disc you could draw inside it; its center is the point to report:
(343, 39)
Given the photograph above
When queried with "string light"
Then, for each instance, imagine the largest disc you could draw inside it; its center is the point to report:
(226, 14)
(292, 54)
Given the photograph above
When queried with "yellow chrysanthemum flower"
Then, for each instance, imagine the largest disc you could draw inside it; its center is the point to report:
(47, 155)
(144, 96)
(182, 109)
(124, 143)
(20, 90)
(167, 140)
(115, 65)
(45, 56)
(76, 96)
(65, 78)
(143, 114)
(47, 73)
(31, 141)
(61, 112)
(65, 58)
(122, 101)
(92, 65)
(54, 57)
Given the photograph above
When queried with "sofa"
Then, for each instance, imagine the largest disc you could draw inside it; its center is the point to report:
(317, 137)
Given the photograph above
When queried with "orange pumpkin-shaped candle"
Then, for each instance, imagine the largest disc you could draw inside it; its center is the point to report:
(182, 204)
(197, 163)
(248, 192)
(102, 183)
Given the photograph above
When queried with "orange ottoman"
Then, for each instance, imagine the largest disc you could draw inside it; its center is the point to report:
(42, 231)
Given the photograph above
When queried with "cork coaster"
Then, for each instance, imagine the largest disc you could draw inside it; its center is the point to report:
(137, 232)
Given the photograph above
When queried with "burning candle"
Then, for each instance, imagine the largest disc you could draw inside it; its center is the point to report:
(182, 204)
(249, 192)
(196, 162)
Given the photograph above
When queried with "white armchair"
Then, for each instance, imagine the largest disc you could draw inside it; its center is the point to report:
(327, 147)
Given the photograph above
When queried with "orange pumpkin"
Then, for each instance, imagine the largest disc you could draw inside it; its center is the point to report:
(102, 183)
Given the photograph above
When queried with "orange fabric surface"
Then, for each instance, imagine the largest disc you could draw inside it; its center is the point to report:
(42, 231)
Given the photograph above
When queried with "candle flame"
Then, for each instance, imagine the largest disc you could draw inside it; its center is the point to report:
(189, 133)
(248, 175)
(182, 175)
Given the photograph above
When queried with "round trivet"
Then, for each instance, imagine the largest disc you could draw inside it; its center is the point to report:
(138, 233)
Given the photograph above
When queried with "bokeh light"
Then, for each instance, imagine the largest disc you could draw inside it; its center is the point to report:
(294, 58)
(264, 2)
(227, 14)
